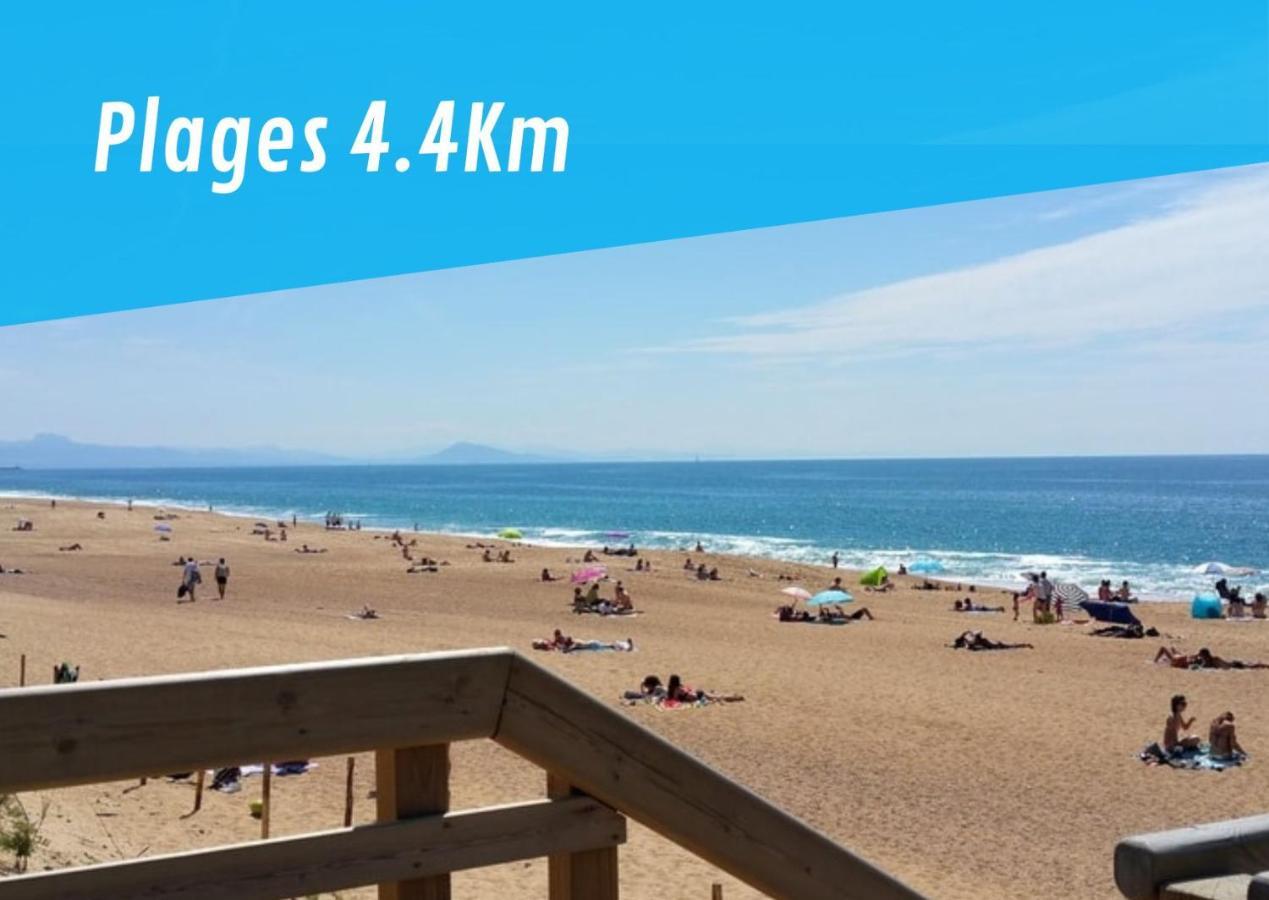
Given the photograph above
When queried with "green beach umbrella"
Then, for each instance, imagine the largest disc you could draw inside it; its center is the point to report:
(875, 577)
(511, 534)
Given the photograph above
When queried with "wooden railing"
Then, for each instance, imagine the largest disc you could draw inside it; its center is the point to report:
(408, 709)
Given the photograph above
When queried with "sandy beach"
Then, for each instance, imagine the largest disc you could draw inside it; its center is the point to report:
(1006, 774)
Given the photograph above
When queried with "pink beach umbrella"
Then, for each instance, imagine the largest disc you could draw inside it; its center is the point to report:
(590, 573)
(797, 593)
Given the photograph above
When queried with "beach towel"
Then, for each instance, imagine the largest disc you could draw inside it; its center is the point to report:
(1198, 758)
(1114, 613)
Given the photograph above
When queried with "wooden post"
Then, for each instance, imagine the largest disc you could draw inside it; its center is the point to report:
(409, 782)
(716, 891)
(266, 791)
(22, 671)
(589, 875)
(198, 789)
(348, 791)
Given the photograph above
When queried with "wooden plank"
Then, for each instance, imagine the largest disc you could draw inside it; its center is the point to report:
(585, 875)
(104, 731)
(341, 859)
(266, 798)
(350, 768)
(412, 782)
(1228, 887)
(603, 753)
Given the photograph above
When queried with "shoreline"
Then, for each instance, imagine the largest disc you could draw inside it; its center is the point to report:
(551, 543)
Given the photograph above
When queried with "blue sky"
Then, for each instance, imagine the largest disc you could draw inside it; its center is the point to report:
(1125, 318)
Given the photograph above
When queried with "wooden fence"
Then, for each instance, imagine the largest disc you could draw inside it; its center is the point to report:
(600, 766)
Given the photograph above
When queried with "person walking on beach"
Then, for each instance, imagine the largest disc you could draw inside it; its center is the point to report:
(191, 577)
(222, 577)
(836, 559)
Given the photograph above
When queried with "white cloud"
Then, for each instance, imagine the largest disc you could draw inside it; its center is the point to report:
(1202, 261)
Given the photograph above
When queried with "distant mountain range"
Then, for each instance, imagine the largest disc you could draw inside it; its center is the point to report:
(55, 451)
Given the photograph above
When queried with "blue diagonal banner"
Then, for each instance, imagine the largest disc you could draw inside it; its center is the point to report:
(676, 119)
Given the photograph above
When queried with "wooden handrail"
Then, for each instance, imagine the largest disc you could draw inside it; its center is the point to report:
(568, 732)
(63, 735)
(60, 735)
(341, 859)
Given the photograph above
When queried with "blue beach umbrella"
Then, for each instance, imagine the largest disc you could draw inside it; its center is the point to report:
(824, 598)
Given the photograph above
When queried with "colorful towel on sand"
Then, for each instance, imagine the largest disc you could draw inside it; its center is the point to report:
(1197, 758)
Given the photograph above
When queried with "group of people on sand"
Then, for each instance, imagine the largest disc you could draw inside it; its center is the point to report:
(830, 613)
(335, 522)
(192, 577)
(1222, 736)
(1107, 594)
(504, 556)
(703, 572)
(1236, 604)
(591, 602)
(675, 693)
(564, 643)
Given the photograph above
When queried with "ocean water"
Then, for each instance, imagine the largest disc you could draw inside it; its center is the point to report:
(1152, 520)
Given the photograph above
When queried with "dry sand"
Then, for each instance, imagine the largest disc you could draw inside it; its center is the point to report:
(1007, 774)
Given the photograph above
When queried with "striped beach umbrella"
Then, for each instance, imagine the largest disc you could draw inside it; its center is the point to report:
(1070, 594)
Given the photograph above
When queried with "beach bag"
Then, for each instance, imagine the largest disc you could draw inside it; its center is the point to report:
(182, 590)
(1205, 606)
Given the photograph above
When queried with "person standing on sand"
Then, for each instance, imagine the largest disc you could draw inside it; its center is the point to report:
(836, 559)
(191, 577)
(222, 577)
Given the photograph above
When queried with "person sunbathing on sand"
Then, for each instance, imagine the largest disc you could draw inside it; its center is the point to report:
(1204, 659)
(676, 690)
(651, 687)
(566, 644)
(590, 557)
(1223, 738)
(622, 600)
(967, 605)
(837, 614)
(788, 614)
(1175, 737)
(1131, 632)
(547, 576)
(70, 547)
(367, 612)
(974, 640)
